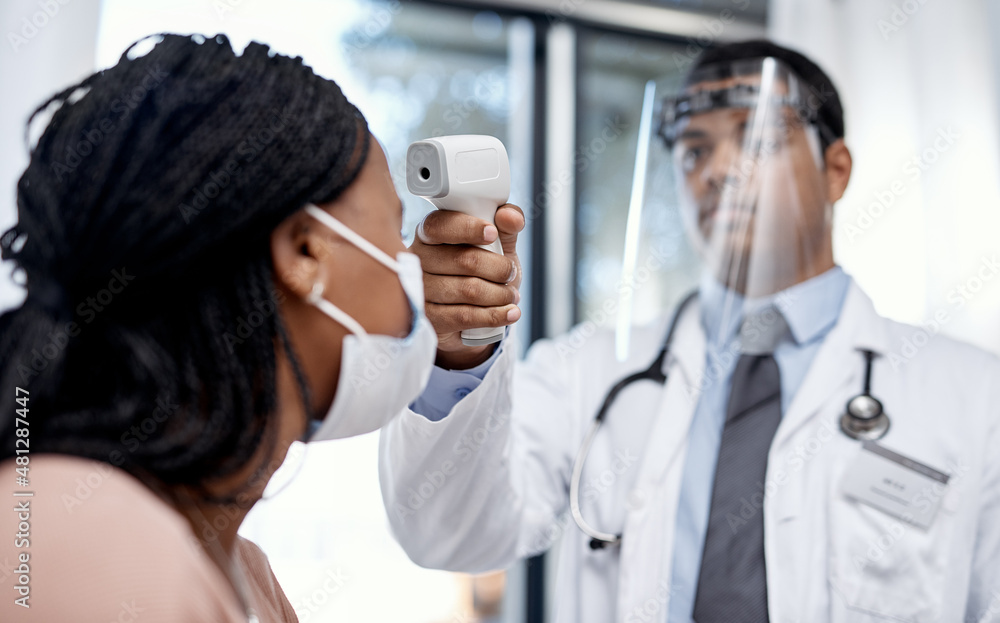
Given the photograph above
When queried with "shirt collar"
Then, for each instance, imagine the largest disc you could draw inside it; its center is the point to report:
(810, 308)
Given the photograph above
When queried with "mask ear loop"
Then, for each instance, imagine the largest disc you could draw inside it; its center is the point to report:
(316, 295)
(316, 298)
(352, 236)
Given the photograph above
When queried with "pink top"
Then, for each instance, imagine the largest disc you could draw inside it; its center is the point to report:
(102, 547)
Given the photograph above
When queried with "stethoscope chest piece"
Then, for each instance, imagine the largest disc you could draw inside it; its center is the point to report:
(865, 419)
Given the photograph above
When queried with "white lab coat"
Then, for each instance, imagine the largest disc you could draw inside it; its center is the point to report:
(489, 483)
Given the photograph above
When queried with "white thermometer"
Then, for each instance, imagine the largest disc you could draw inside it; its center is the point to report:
(467, 173)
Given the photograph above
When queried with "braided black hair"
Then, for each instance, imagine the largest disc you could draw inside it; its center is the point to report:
(148, 335)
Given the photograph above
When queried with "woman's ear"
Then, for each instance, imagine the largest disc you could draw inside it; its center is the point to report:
(298, 251)
(838, 170)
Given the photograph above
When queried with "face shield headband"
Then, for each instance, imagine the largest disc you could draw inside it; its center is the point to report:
(673, 110)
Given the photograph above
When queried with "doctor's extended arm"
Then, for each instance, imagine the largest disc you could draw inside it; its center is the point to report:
(482, 485)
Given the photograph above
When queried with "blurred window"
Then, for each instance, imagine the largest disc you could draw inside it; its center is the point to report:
(613, 71)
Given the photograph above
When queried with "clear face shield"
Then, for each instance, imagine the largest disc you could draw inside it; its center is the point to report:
(741, 143)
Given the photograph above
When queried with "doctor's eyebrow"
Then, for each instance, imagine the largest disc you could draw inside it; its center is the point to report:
(694, 133)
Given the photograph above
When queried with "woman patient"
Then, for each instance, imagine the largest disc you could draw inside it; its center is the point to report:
(190, 312)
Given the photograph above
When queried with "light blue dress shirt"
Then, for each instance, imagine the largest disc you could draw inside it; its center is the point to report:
(446, 387)
(810, 309)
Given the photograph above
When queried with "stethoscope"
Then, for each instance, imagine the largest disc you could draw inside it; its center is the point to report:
(864, 419)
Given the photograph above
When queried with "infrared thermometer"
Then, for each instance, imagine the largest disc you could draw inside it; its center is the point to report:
(466, 173)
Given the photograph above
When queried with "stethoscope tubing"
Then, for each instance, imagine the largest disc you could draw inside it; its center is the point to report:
(655, 373)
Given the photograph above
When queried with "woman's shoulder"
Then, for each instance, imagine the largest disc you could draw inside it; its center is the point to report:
(270, 597)
(102, 546)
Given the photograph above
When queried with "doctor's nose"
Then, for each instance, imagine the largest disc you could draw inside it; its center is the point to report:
(722, 167)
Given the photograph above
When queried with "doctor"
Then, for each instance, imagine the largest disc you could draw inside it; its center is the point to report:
(782, 455)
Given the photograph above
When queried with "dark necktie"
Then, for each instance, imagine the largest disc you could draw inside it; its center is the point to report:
(732, 585)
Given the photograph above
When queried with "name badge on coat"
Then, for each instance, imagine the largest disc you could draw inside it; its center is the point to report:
(896, 485)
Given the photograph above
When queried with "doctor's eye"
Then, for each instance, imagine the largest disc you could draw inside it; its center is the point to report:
(693, 157)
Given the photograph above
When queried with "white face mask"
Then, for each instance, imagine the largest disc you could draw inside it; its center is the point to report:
(380, 375)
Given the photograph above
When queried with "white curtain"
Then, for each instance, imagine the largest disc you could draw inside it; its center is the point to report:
(919, 226)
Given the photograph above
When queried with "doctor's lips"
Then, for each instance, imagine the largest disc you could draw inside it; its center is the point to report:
(731, 218)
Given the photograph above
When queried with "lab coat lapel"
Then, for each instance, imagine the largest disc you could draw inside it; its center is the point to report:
(683, 367)
(647, 547)
(837, 373)
(838, 364)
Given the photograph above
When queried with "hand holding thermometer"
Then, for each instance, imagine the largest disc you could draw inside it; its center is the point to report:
(466, 173)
